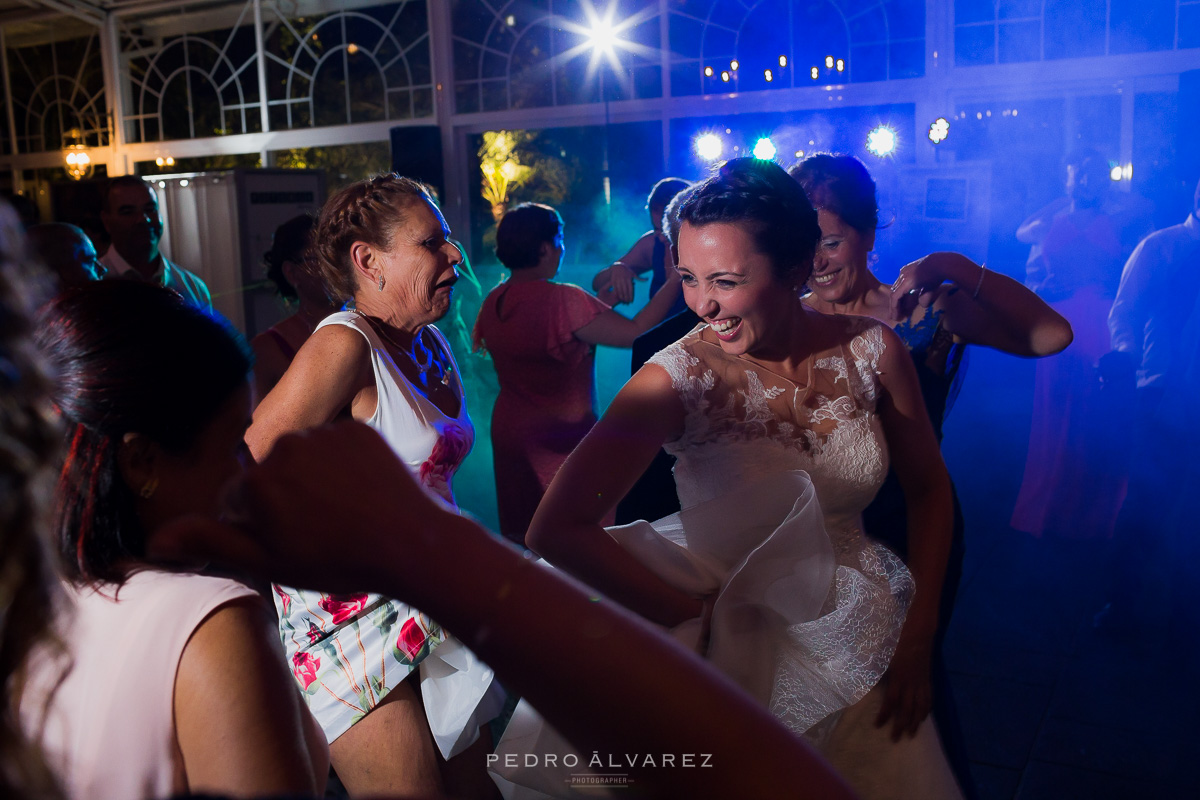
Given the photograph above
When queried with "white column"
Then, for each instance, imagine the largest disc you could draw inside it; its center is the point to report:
(261, 55)
(454, 168)
(933, 97)
(664, 34)
(110, 60)
(1127, 100)
(18, 179)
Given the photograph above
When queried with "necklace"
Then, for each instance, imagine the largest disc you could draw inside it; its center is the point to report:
(442, 371)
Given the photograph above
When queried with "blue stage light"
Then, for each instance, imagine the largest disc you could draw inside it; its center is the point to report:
(709, 146)
(881, 141)
(764, 149)
(939, 129)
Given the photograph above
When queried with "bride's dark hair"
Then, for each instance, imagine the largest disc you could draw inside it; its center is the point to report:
(764, 198)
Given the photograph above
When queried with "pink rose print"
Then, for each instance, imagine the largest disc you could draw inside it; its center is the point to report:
(304, 667)
(448, 453)
(411, 640)
(285, 601)
(314, 633)
(342, 606)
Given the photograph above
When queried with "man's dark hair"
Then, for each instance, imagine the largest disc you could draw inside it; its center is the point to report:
(117, 183)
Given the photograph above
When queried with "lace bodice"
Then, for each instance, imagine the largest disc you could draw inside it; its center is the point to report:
(743, 421)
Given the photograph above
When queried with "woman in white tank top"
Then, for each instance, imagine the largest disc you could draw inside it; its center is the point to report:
(383, 245)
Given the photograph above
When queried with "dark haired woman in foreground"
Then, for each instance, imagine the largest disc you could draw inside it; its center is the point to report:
(783, 421)
(542, 336)
(175, 682)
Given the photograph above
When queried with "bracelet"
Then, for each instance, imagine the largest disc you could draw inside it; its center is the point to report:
(978, 286)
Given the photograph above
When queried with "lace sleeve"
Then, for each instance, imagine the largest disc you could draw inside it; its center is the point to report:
(676, 361)
(689, 377)
(866, 351)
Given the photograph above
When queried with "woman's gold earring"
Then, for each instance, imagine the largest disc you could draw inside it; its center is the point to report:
(149, 488)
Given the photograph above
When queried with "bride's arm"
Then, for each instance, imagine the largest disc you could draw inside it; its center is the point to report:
(566, 529)
(917, 461)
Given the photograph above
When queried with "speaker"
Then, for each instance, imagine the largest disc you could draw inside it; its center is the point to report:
(417, 154)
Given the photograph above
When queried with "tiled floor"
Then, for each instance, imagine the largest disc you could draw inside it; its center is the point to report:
(1052, 708)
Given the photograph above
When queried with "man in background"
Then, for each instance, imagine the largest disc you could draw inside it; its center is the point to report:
(130, 215)
(66, 251)
(1155, 326)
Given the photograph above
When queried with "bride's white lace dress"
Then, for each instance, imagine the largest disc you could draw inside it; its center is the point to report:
(772, 477)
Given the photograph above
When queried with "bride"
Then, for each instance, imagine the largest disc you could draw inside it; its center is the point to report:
(782, 421)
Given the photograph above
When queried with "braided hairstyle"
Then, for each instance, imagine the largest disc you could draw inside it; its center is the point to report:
(760, 196)
(290, 243)
(841, 184)
(29, 444)
(367, 211)
(130, 358)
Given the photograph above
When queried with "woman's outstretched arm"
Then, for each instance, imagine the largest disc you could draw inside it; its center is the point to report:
(606, 679)
(983, 307)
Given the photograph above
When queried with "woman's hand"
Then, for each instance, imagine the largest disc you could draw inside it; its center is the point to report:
(917, 283)
(617, 287)
(908, 692)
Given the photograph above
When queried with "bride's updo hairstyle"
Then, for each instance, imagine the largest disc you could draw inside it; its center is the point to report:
(761, 197)
(841, 184)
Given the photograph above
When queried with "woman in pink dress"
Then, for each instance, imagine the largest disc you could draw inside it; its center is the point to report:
(542, 336)
(1075, 480)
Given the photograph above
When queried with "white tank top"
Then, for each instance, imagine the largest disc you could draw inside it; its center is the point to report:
(431, 443)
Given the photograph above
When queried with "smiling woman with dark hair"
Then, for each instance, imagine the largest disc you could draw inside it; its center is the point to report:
(783, 421)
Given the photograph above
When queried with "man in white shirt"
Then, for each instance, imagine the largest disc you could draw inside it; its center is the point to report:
(1155, 327)
(1157, 294)
(130, 215)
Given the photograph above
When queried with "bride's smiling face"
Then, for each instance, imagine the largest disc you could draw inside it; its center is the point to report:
(733, 287)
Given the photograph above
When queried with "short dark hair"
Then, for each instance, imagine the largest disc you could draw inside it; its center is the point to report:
(841, 184)
(129, 357)
(290, 243)
(521, 233)
(117, 183)
(664, 191)
(761, 196)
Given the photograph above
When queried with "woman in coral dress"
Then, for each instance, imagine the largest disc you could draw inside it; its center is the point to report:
(542, 337)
